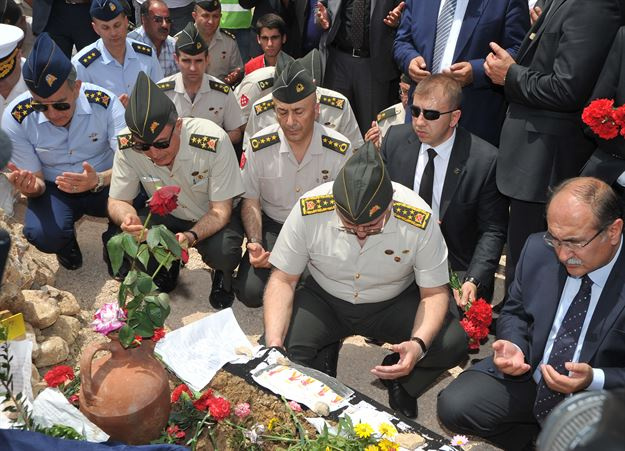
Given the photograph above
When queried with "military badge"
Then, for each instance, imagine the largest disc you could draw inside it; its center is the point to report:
(50, 79)
(299, 87)
(265, 84)
(22, 109)
(204, 142)
(316, 204)
(124, 141)
(90, 57)
(335, 102)
(153, 126)
(412, 215)
(260, 142)
(219, 86)
(334, 144)
(94, 96)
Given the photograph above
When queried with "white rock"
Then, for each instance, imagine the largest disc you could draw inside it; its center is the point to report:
(54, 350)
(40, 309)
(66, 327)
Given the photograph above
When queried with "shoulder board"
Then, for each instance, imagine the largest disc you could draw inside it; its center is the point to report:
(217, 86)
(90, 57)
(260, 142)
(98, 97)
(336, 102)
(22, 109)
(166, 85)
(230, 35)
(334, 144)
(204, 142)
(411, 215)
(316, 204)
(389, 112)
(124, 141)
(261, 107)
(142, 48)
(265, 84)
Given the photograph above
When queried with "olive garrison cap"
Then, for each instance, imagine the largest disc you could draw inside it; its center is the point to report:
(106, 9)
(363, 189)
(293, 84)
(209, 5)
(190, 42)
(312, 63)
(149, 109)
(282, 61)
(46, 68)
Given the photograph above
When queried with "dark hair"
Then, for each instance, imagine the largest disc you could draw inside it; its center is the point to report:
(272, 21)
(451, 89)
(145, 6)
(595, 193)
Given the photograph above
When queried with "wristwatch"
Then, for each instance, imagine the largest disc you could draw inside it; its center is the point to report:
(473, 280)
(421, 343)
(195, 237)
(254, 240)
(100, 185)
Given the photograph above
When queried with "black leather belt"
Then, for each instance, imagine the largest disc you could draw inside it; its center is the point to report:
(356, 53)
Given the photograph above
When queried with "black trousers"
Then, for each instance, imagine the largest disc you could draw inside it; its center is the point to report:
(498, 410)
(70, 25)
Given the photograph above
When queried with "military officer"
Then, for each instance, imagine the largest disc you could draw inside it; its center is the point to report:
(334, 108)
(378, 268)
(393, 115)
(281, 163)
(197, 94)
(64, 135)
(159, 148)
(114, 61)
(225, 59)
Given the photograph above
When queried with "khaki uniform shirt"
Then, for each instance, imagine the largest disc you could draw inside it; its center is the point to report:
(393, 115)
(215, 101)
(224, 55)
(254, 86)
(205, 169)
(334, 112)
(272, 174)
(411, 247)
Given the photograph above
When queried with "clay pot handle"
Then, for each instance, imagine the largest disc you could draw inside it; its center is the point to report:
(85, 368)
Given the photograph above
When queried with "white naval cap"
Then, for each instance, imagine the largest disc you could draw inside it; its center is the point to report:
(10, 36)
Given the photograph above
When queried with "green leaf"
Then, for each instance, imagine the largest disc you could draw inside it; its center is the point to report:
(126, 335)
(145, 284)
(154, 237)
(170, 241)
(131, 277)
(143, 255)
(134, 303)
(163, 300)
(144, 326)
(121, 295)
(130, 246)
(156, 315)
(163, 257)
(116, 252)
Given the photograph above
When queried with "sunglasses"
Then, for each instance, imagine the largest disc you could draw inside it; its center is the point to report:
(160, 19)
(429, 115)
(41, 107)
(160, 145)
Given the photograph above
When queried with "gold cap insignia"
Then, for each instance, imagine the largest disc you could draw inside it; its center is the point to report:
(198, 45)
(50, 79)
(374, 209)
(153, 126)
(112, 6)
(299, 87)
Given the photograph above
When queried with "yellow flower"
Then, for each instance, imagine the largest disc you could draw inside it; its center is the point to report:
(372, 448)
(272, 423)
(387, 445)
(327, 448)
(363, 430)
(387, 429)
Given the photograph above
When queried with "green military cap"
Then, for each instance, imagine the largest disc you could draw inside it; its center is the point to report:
(190, 42)
(281, 62)
(149, 109)
(312, 63)
(293, 84)
(209, 5)
(363, 189)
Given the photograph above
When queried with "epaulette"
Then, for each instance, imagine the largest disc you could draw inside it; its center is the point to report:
(230, 35)
(316, 204)
(204, 142)
(99, 97)
(218, 86)
(389, 112)
(335, 144)
(142, 48)
(261, 107)
(336, 102)
(22, 109)
(265, 84)
(124, 141)
(411, 215)
(90, 57)
(260, 142)
(166, 85)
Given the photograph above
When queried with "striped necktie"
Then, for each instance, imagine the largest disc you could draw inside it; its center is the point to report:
(443, 27)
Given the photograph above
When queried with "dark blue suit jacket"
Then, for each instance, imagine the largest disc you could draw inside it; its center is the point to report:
(528, 315)
(503, 21)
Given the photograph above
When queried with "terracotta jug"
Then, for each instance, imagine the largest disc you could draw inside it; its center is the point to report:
(126, 392)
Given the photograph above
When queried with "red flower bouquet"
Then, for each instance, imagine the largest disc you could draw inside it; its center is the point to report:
(603, 119)
(59, 375)
(477, 317)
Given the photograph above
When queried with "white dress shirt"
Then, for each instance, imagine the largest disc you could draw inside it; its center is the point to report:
(454, 33)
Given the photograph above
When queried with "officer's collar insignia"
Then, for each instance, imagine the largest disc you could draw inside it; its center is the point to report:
(335, 144)
(204, 142)
(389, 112)
(219, 86)
(22, 109)
(412, 215)
(265, 84)
(316, 204)
(99, 97)
(90, 57)
(336, 102)
(125, 141)
(153, 126)
(261, 107)
(260, 142)
(50, 79)
(142, 48)
(166, 85)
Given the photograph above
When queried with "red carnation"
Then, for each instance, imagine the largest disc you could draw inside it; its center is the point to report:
(219, 408)
(476, 332)
(184, 256)
(59, 375)
(158, 334)
(598, 116)
(480, 313)
(178, 391)
(175, 432)
(203, 402)
(74, 399)
(164, 200)
(619, 117)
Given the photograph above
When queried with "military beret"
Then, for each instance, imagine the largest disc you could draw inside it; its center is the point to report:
(149, 109)
(282, 61)
(312, 63)
(10, 37)
(10, 12)
(293, 84)
(189, 41)
(46, 68)
(106, 9)
(209, 5)
(363, 189)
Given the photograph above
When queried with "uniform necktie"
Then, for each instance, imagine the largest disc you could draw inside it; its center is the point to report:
(358, 24)
(563, 348)
(426, 187)
(443, 27)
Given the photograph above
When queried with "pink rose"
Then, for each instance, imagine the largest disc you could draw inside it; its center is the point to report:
(108, 318)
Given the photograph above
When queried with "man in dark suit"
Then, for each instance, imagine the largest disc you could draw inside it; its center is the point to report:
(473, 214)
(542, 140)
(356, 50)
(462, 51)
(560, 331)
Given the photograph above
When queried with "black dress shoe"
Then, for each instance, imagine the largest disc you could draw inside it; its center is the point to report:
(398, 398)
(220, 298)
(70, 258)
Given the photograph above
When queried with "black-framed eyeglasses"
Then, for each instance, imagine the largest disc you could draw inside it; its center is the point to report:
(161, 19)
(41, 107)
(570, 245)
(144, 147)
(429, 115)
(371, 229)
